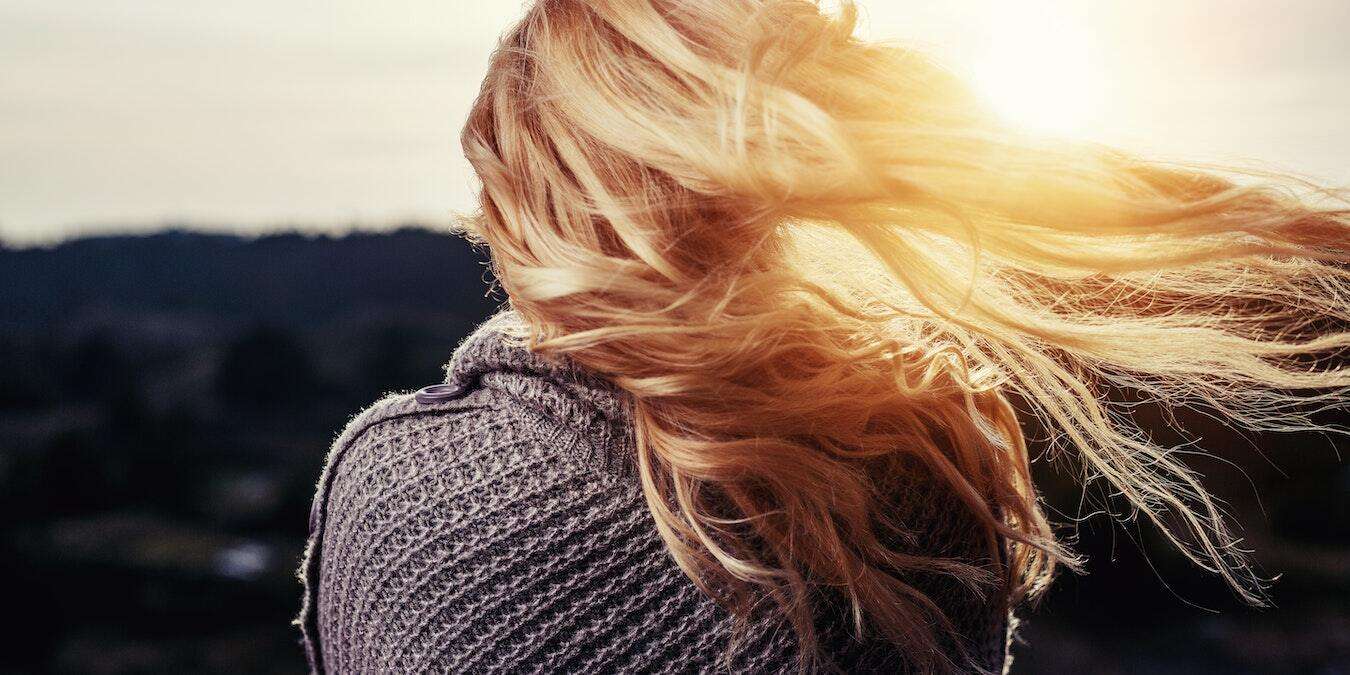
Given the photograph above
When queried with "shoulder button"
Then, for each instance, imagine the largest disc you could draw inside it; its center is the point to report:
(439, 392)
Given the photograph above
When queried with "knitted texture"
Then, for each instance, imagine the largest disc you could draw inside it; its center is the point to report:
(504, 530)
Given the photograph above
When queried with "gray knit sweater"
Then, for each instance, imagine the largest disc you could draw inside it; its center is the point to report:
(501, 529)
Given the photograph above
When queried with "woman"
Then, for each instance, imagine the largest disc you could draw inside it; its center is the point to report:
(780, 300)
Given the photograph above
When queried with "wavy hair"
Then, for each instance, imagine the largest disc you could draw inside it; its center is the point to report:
(818, 266)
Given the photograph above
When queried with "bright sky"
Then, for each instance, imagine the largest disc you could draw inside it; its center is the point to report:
(255, 115)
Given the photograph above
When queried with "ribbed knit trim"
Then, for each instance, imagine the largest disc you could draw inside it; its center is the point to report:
(494, 356)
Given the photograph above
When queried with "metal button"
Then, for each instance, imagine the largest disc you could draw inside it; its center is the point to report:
(439, 392)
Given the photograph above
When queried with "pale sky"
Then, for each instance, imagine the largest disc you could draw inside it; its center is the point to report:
(257, 115)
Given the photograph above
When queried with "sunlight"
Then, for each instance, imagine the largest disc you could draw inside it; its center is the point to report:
(1039, 69)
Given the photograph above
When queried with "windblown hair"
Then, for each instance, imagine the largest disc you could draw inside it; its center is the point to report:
(819, 267)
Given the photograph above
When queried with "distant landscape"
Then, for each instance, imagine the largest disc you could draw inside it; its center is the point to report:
(166, 401)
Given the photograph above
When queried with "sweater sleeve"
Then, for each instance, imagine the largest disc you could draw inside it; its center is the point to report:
(459, 541)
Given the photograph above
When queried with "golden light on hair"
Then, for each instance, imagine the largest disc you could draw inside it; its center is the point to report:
(823, 271)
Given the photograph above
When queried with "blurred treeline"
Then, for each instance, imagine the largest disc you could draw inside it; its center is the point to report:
(166, 402)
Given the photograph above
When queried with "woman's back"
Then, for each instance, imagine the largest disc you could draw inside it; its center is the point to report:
(497, 525)
(826, 290)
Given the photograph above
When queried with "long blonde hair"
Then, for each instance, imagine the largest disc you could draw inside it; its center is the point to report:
(816, 263)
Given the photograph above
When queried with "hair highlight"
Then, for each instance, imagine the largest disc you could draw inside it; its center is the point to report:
(819, 267)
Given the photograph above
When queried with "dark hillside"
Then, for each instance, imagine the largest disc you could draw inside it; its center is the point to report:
(165, 404)
(289, 280)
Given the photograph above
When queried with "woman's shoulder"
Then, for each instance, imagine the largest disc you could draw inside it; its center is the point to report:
(451, 451)
(479, 534)
(503, 416)
(430, 512)
(458, 442)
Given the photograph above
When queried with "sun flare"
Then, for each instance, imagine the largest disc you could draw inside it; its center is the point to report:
(1039, 70)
